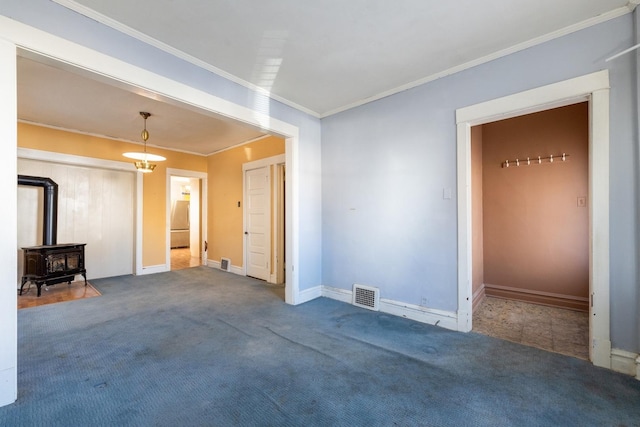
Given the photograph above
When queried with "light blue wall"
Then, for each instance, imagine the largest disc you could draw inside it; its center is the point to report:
(60, 21)
(386, 164)
(371, 202)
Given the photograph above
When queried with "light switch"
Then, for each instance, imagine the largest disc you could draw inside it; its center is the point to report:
(582, 202)
(446, 193)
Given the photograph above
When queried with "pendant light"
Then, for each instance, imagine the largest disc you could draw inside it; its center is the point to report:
(144, 158)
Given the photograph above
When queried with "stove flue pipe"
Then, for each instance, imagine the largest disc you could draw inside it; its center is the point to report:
(50, 227)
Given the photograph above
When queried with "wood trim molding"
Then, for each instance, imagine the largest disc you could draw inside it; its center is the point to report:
(538, 297)
(478, 297)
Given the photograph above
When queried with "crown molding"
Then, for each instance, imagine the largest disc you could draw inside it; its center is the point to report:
(92, 14)
(118, 26)
(496, 55)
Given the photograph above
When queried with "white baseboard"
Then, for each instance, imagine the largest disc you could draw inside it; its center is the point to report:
(625, 362)
(418, 313)
(234, 268)
(445, 319)
(309, 294)
(237, 270)
(153, 269)
(337, 294)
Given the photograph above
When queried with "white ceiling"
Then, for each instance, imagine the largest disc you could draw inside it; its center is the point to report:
(321, 56)
(57, 97)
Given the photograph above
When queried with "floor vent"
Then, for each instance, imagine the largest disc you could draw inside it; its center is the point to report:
(225, 264)
(366, 297)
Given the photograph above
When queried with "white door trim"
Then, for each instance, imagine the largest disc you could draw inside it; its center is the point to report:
(594, 88)
(278, 223)
(203, 208)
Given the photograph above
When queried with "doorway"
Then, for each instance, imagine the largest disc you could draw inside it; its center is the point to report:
(530, 229)
(593, 88)
(264, 219)
(186, 219)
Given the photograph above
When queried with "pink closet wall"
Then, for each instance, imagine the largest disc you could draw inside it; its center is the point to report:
(535, 218)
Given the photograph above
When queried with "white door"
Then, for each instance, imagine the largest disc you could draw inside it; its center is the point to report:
(257, 222)
(95, 206)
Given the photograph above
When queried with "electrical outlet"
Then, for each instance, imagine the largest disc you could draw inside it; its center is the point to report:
(582, 202)
(423, 302)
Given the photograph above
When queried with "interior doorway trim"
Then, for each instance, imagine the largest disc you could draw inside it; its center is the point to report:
(45, 47)
(203, 211)
(593, 88)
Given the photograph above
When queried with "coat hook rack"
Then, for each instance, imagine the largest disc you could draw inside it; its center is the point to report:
(549, 159)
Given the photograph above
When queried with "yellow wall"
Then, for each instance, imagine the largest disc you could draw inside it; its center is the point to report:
(225, 226)
(154, 184)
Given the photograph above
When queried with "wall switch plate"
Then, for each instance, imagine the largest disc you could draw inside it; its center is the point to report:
(446, 193)
(582, 202)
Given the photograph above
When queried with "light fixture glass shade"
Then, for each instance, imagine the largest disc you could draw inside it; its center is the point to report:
(144, 156)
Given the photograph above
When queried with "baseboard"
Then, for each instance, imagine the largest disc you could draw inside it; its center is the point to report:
(309, 294)
(625, 362)
(538, 297)
(153, 269)
(445, 319)
(234, 268)
(477, 297)
(337, 294)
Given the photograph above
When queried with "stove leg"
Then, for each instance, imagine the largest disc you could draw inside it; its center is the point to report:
(24, 280)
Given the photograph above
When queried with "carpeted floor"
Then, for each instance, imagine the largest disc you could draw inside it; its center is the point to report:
(201, 347)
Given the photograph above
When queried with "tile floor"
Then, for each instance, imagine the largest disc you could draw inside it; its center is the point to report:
(549, 328)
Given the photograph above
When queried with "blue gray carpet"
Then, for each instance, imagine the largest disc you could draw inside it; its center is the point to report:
(201, 347)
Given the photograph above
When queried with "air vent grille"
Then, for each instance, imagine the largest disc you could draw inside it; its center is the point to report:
(225, 264)
(366, 297)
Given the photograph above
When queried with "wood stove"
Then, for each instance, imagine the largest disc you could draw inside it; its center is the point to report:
(50, 263)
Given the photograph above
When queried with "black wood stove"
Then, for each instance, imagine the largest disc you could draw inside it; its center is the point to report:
(50, 263)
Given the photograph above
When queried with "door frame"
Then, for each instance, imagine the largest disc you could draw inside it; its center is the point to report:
(203, 211)
(593, 88)
(279, 173)
(267, 162)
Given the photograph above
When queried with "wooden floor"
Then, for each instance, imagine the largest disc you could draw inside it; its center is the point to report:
(56, 293)
(181, 258)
